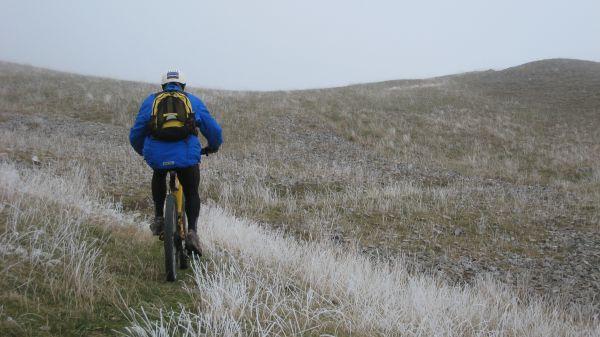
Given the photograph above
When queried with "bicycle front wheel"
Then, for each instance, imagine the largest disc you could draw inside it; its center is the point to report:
(170, 230)
(183, 258)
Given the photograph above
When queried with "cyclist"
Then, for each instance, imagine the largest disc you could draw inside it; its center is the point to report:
(182, 156)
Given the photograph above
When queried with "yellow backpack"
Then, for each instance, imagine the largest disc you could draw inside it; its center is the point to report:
(172, 116)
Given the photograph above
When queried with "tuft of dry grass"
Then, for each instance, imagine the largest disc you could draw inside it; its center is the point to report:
(45, 237)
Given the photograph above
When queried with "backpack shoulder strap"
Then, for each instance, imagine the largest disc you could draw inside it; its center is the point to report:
(186, 101)
(157, 98)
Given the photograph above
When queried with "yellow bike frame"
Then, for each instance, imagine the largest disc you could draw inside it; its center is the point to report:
(178, 192)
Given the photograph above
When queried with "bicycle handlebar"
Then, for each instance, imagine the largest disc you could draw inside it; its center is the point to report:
(206, 151)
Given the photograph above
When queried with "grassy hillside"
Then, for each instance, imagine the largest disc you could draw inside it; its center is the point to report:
(491, 173)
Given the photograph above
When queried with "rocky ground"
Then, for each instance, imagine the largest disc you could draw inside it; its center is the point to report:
(566, 263)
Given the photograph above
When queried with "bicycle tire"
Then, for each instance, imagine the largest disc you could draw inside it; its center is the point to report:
(183, 258)
(170, 230)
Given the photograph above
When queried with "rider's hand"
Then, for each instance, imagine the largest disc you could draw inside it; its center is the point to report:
(208, 150)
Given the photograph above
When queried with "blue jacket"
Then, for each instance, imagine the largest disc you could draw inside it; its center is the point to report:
(167, 155)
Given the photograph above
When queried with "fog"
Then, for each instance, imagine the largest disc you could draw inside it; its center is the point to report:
(269, 44)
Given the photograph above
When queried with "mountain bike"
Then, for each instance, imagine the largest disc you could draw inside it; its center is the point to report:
(175, 229)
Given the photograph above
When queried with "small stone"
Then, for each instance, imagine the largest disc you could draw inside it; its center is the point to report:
(459, 232)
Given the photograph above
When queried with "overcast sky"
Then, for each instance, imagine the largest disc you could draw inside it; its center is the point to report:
(270, 44)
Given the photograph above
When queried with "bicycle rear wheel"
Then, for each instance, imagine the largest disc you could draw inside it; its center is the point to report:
(170, 231)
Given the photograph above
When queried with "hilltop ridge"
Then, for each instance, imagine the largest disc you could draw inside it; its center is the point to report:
(541, 70)
(556, 84)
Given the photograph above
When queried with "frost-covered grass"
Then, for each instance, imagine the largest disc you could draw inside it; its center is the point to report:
(262, 283)
(55, 271)
(402, 168)
(70, 261)
(257, 282)
(44, 232)
(47, 252)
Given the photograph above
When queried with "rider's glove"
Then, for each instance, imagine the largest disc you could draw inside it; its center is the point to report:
(208, 150)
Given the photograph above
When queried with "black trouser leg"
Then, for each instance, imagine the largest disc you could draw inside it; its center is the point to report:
(189, 178)
(159, 191)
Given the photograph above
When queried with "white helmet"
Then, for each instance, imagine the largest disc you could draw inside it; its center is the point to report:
(173, 76)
